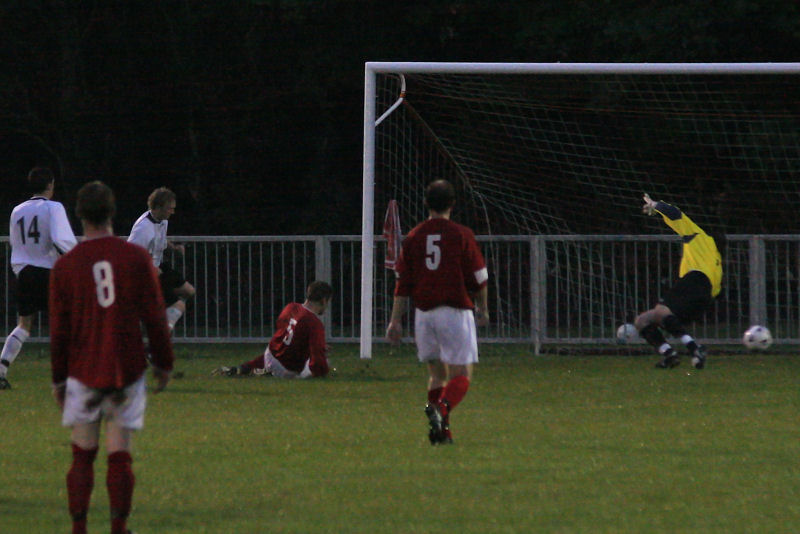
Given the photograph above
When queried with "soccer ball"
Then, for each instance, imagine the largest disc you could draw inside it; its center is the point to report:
(757, 337)
(627, 333)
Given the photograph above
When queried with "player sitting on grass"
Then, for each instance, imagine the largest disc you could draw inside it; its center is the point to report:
(297, 348)
(691, 296)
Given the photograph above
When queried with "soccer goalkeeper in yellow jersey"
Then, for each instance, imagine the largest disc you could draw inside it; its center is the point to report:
(691, 296)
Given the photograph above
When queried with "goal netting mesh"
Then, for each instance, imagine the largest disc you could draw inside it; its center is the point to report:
(571, 154)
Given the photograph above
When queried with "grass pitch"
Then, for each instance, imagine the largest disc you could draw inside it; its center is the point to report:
(542, 444)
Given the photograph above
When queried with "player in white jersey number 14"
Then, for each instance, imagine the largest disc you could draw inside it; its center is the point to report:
(39, 233)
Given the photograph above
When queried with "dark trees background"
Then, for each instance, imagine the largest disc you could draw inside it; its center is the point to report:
(252, 110)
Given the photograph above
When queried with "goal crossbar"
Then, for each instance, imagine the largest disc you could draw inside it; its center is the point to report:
(412, 67)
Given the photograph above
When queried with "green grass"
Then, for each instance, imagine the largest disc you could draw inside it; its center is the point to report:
(543, 444)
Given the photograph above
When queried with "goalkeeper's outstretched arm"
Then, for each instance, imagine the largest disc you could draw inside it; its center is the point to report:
(667, 210)
(674, 217)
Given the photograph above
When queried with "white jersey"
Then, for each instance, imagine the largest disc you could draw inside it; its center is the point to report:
(39, 232)
(151, 234)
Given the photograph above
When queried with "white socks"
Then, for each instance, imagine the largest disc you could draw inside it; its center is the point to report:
(173, 314)
(11, 349)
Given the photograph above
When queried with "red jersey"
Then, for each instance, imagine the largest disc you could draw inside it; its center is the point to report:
(441, 265)
(100, 294)
(300, 337)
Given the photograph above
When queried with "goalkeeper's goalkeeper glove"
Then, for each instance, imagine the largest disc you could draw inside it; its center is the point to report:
(649, 207)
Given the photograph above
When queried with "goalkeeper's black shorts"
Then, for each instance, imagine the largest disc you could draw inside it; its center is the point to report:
(690, 297)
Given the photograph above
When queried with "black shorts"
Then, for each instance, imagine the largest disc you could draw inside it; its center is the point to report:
(31, 290)
(690, 297)
(170, 281)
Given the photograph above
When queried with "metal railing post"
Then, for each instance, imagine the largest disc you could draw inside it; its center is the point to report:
(757, 280)
(322, 270)
(538, 273)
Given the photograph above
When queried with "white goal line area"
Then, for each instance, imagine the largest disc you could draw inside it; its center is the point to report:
(533, 148)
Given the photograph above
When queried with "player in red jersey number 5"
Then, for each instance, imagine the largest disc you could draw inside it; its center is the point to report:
(441, 269)
(297, 348)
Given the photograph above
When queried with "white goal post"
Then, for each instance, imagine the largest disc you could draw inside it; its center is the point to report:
(371, 113)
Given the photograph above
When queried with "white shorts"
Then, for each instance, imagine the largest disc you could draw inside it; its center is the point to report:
(276, 368)
(83, 405)
(446, 334)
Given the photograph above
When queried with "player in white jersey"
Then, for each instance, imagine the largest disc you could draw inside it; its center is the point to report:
(150, 231)
(39, 233)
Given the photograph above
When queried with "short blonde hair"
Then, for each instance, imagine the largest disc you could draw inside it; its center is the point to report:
(160, 197)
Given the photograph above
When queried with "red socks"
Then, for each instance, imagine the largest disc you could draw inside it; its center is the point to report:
(450, 395)
(434, 395)
(454, 391)
(120, 481)
(80, 482)
(256, 363)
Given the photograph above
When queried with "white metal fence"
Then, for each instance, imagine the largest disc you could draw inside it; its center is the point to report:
(543, 289)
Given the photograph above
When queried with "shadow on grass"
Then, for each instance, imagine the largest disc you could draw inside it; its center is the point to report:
(201, 391)
(368, 374)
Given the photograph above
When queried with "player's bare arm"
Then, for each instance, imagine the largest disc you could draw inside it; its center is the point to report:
(178, 247)
(59, 393)
(482, 306)
(394, 331)
(162, 379)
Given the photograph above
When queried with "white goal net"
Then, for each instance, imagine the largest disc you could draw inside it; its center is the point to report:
(568, 149)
